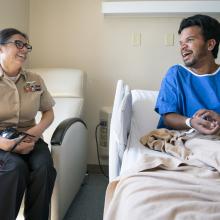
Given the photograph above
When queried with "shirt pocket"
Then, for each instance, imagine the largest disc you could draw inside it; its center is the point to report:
(29, 106)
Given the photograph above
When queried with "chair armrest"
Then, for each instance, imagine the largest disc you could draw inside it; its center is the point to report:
(69, 146)
(60, 131)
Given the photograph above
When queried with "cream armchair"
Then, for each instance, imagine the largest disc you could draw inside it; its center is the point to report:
(67, 136)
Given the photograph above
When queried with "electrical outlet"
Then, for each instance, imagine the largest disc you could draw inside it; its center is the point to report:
(104, 132)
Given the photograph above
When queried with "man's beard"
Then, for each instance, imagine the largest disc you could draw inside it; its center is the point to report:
(190, 63)
(196, 57)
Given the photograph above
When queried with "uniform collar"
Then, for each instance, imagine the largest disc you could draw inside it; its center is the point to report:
(22, 72)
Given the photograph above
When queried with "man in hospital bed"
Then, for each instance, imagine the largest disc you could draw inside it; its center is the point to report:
(190, 95)
(186, 186)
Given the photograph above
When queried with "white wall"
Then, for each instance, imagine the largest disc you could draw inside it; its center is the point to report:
(14, 13)
(74, 33)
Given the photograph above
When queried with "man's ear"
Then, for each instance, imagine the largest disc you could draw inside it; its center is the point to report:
(211, 44)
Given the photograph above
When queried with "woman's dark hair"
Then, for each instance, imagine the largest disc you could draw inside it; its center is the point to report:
(210, 28)
(5, 34)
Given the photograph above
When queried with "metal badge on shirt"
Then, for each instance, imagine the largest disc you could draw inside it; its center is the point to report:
(31, 86)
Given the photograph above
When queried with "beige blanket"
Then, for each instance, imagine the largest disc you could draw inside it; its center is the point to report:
(185, 186)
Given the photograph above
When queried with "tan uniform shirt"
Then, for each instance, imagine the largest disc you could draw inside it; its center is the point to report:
(21, 100)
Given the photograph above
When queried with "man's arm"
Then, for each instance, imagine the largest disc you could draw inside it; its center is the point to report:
(201, 124)
(175, 121)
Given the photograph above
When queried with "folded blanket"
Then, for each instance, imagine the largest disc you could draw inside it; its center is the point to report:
(169, 141)
(191, 148)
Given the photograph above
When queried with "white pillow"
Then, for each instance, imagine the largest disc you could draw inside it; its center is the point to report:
(144, 118)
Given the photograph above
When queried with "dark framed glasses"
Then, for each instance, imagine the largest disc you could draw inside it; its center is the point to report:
(20, 44)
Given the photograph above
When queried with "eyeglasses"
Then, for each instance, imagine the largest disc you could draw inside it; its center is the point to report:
(20, 44)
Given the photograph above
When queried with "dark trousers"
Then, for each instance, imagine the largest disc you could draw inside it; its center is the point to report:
(33, 174)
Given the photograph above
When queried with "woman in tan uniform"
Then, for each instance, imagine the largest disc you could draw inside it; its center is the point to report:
(29, 167)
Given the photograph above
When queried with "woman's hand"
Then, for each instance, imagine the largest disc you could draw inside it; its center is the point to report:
(206, 121)
(38, 129)
(35, 133)
(27, 144)
(6, 144)
(25, 147)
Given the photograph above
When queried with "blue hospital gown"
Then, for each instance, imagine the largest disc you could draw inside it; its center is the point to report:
(185, 92)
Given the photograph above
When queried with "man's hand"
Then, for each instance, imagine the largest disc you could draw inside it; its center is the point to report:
(209, 115)
(206, 121)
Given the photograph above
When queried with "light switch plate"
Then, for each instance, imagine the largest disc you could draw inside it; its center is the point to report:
(136, 39)
(169, 39)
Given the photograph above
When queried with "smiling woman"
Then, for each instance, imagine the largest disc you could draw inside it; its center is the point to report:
(27, 164)
(14, 49)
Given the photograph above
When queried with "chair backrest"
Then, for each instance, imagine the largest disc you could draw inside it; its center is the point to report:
(67, 87)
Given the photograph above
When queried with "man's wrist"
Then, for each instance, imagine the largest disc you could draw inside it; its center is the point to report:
(188, 122)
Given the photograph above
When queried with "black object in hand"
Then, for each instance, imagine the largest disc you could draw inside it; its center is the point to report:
(10, 133)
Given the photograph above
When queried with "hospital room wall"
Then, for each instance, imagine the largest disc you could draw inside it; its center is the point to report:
(75, 34)
(14, 13)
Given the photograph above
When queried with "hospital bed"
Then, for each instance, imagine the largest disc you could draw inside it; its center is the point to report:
(149, 184)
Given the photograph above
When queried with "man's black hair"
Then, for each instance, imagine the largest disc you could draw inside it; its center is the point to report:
(210, 28)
